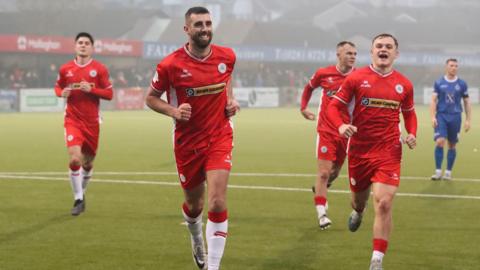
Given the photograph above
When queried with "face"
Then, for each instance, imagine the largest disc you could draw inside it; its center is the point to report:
(347, 55)
(384, 52)
(451, 68)
(199, 29)
(83, 47)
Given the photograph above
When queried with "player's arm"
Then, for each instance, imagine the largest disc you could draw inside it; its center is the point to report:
(306, 95)
(105, 89)
(410, 119)
(60, 89)
(433, 106)
(338, 104)
(468, 112)
(232, 104)
(154, 102)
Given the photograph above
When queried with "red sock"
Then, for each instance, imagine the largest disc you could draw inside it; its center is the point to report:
(380, 245)
(217, 217)
(74, 167)
(320, 200)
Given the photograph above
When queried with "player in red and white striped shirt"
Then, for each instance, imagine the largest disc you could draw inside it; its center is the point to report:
(331, 147)
(380, 94)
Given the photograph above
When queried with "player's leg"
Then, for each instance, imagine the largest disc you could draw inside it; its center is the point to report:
(217, 225)
(324, 167)
(192, 210)
(75, 161)
(87, 170)
(383, 195)
(440, 133)
(192, 179)
(454, 126)
(359, 203)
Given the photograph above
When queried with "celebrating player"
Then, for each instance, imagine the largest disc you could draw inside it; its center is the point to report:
(197, 81)
(82, 81)
(331, 147)
(380, 93)
(446, 113)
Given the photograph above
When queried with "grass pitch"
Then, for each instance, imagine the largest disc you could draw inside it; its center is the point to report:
(133, 218)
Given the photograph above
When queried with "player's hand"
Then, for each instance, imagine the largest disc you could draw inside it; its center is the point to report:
(347, 130)
(434, 122)
(411, 141)
(308, 115)
(85, 86)
(66, 92)
(183, 112)
(467, 126)
(232, 107)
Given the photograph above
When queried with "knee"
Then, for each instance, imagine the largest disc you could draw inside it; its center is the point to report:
(195, 207)
(324, 175)
(384, 206)
(440, 142)
(75, 161)
(217, 204)
(333, 175)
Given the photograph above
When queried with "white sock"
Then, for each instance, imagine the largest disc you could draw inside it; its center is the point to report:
(194, 225)
(216, 234)
(438, 172)
(76, 181)
(448, 173)
(87, 175)
(321, 210)
(377, 255)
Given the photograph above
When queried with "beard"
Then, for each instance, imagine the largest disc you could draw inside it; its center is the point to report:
(201, 43)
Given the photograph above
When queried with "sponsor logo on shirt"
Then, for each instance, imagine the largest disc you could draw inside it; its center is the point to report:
(206, 90)
(380, 103)
(77, 85)
(365, 84)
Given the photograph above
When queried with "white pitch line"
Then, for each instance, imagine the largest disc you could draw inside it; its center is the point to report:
(293, 175)
(120, 181)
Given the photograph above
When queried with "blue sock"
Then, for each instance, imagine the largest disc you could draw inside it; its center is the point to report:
(451, 155)
(438, 157)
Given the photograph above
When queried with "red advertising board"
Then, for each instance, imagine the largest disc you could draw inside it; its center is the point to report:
(129, 98)
(65, 45)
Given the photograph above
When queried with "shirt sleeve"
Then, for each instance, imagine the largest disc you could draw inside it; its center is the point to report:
(465, 90)
(59, 84)
(160, 81)
(104, 89)
(346, 91)
(408, 102)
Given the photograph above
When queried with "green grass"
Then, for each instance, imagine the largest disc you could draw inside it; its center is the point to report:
(137, 224)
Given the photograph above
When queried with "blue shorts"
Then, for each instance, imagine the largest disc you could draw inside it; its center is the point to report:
(448, 127)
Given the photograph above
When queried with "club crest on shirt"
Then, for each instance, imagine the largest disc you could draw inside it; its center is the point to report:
(457, 87)
(324, 149)
(399, 88)
(205, 90)
(222, 68)
(70, 138)
(182, 178)
(93, 73)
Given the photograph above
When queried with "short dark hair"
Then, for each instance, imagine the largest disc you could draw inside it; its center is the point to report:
(343, 43)
(451, 60)
(196, 10)
(84, 34)
(385, 35)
